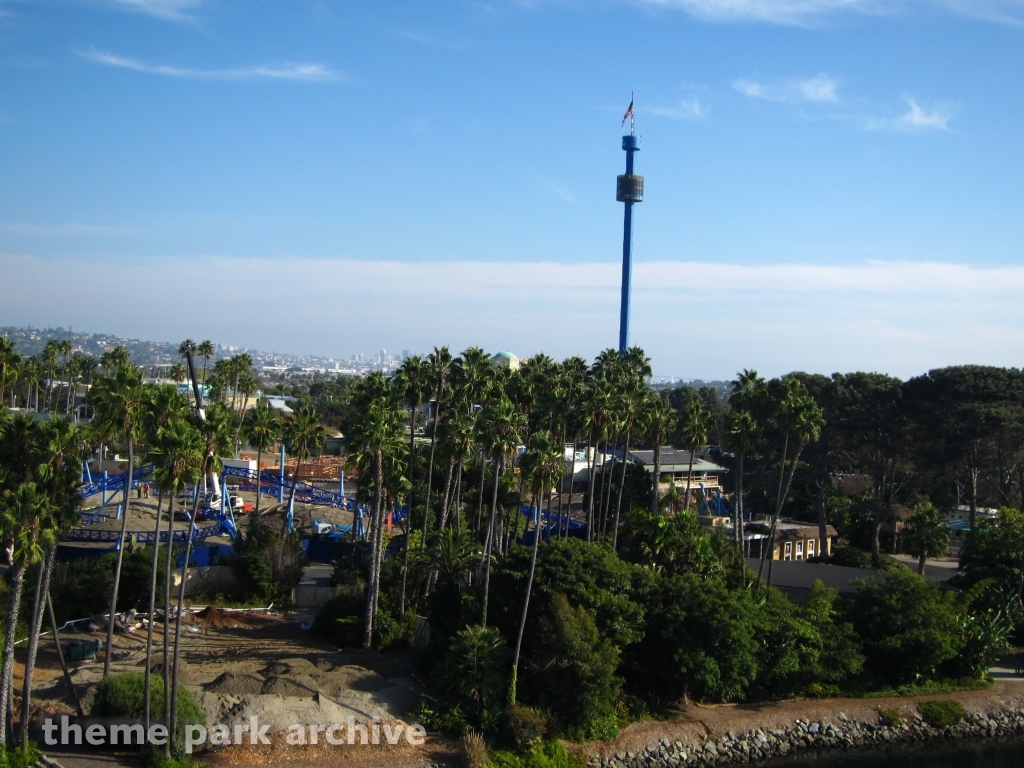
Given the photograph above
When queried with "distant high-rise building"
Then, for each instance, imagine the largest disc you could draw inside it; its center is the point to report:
(406, 354)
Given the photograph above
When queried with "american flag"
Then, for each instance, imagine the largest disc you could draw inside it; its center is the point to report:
(629, 113)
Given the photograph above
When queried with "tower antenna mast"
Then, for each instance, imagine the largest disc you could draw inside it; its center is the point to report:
(629, 189)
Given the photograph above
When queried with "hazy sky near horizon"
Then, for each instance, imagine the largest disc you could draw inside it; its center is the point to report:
(831, 184)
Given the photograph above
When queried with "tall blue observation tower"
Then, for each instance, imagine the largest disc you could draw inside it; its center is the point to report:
(628, 190)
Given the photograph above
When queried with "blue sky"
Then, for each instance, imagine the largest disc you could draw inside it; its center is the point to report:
(831, 184)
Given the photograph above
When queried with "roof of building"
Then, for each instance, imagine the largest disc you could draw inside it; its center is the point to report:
(675, 460)
(790, 530)
(504, 354)
(851, 484)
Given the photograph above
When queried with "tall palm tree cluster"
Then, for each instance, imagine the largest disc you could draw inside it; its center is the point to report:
(57, 369)
(512, 428)
(40, 474)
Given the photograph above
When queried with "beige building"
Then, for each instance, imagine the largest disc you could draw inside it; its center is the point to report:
(506, 360)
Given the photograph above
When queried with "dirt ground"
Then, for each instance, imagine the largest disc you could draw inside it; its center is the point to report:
(697, 722)
(245, 664)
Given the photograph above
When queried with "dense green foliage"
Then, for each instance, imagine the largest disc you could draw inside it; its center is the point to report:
(941, 713)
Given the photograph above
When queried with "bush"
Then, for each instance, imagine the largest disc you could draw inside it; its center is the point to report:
(18, 757)
(578, 679)
(941, 713)
(474, 673)
(123, 695)
(474, 750)
(524, 726)
(255, 579)
(893, 718)
(340, 620)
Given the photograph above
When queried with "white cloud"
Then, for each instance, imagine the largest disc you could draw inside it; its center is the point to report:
(915, 120)
(687, 109)
(897, 317)
(172, 10)
(299, 71)
(821, 88)
(805, 12)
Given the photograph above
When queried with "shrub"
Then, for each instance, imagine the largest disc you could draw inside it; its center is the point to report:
(18, 757)
(340, 619)
(475, 669)
(255, 579)
(552, 755)
(524, 726)
(123, 695)
(474, 750)
(941, 713)
(892, 718)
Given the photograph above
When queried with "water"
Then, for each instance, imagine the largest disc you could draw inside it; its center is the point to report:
(1003, 753)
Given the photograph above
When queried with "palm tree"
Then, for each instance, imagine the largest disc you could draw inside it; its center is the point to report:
(457, 433)
(177, 450)
(10, 365)
(303, 435)
(262, 431)
(502, 427)
(929, 535)
(119, 410)
(541, 463)
(115, 358)
(206, 351)
(58, 453)
(411, 381)
(634, 392)
(800, 418)
(375, 435)
(31, 373)
(177, 373)
(49, 356)
(215, 425)
(695, 428)
(438, 363)
(25, 522)
(659, 420)
(742, 436)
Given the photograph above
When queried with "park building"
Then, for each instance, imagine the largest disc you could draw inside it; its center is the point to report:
(506, 360)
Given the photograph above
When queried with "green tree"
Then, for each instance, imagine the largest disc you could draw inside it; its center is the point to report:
(694, 428)
(995, 550)
(26, 526)
(262, 431)
(928, 535)
(576, 677)
(908, 628)
(119, 404)
(411, 381)
(474, 673)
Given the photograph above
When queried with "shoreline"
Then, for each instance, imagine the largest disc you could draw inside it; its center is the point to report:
(748, 733)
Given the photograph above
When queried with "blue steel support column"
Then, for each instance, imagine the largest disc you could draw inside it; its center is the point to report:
(630, 189)
(280, 487)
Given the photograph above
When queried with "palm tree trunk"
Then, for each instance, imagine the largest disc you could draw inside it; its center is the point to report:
(120, 558)
(378, 473)
(259, 473)
(591, 468)
(622, 484)
(819, 502)
(490, 538)
(181, 605)
(657, 476)
(689, 479)
(480, 500)
(152, 609)
(738, 509)
(38, 603)
(430, 469)
(17, 580)
(167, 617)
(458, 499)
(447, 487)
(782, 501)
(408, 518)
(526, 607)
(72, 693)
(771, 540)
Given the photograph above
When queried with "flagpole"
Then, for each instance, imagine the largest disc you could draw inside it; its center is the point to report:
(632, 115)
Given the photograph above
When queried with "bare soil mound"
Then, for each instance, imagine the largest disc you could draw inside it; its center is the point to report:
(351, 678)
(237, 684)
(296, 685)
(218, 618)
(291, 667)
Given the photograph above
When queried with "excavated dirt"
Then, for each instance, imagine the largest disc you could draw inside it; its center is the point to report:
(237, 684)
